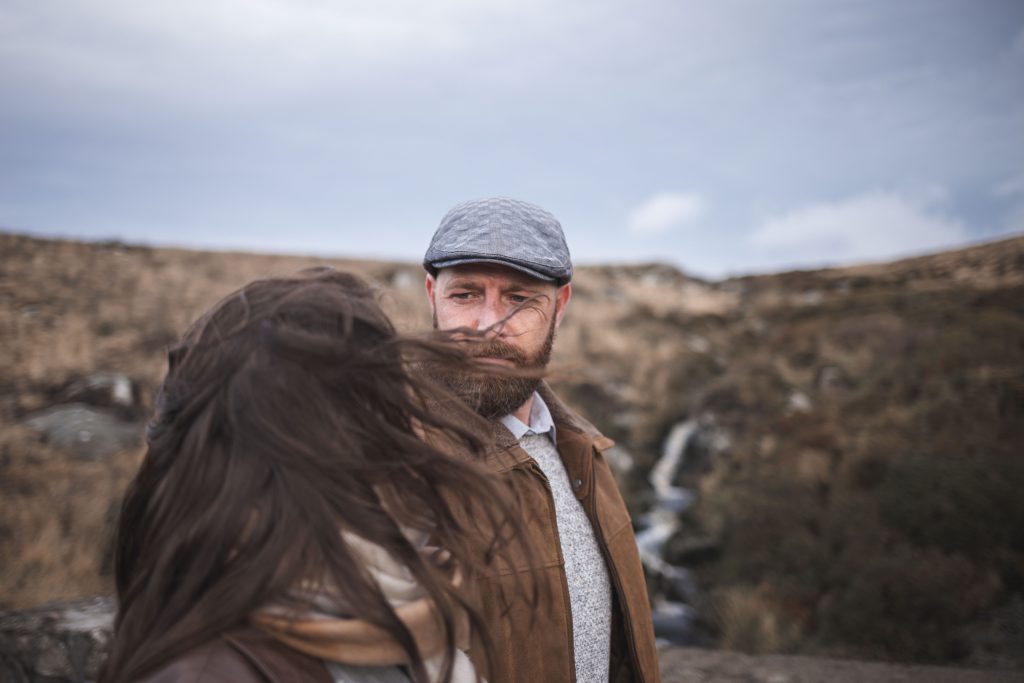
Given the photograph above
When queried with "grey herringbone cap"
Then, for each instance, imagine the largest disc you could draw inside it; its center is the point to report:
(504, 231)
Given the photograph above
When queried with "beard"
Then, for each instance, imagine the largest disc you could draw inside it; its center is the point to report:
(493, 395)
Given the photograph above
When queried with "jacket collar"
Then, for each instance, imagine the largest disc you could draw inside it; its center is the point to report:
(576, 438)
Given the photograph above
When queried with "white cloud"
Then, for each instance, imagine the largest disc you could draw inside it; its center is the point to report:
(877, 225)
(1010, 187)
(664, 212)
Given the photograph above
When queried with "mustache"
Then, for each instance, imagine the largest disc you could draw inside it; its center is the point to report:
(495, 348)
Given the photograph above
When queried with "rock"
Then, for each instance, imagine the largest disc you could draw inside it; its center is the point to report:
(832, 378)
(55, 643)
(406, 278)
(88, 432)
(799, 403)
(618, 294)
(102, 390)
(95, 416)
(697, 343)
(809, 298)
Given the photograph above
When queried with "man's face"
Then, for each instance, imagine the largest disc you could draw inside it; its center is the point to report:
(518, 315)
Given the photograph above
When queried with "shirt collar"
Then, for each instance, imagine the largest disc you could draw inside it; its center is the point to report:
(541, 421)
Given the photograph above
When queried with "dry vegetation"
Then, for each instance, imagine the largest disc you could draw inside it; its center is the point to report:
(858, 467)
(70, 310)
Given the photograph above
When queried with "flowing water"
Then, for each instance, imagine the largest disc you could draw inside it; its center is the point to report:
(674, 617)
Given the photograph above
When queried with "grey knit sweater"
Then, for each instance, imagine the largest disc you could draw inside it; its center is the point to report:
(585, 571)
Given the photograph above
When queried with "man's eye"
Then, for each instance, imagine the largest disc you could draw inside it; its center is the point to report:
(461, 296)
(519, 298)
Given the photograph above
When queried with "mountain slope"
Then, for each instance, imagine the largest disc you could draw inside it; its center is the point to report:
(857, 463)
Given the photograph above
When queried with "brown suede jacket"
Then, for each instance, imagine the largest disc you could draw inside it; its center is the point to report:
(535, 645)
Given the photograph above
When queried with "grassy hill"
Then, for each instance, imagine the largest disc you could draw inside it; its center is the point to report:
(858, 465)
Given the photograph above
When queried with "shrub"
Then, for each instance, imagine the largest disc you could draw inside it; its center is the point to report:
(772, 536)
(904, 604)
(749, 620)
(966, 505)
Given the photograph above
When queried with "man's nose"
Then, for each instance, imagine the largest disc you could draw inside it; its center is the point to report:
(491, 318)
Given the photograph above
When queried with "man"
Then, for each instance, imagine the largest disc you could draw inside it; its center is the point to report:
(502, 267)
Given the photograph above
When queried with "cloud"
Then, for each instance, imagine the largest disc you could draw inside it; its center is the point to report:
(1010, 192)
(664, 212)
(1017, 48)
(211, 52)
(213, 115)
(876, 225)
(1010, 187)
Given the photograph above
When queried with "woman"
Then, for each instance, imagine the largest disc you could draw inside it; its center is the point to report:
(278, 527)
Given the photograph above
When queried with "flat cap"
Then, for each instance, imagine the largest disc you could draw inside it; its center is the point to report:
(505, 231)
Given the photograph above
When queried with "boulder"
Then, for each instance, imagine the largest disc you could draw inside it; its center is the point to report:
(103, 390)
(55, 643)
(88, 432)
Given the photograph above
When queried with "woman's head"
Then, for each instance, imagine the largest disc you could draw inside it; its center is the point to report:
(289, 413)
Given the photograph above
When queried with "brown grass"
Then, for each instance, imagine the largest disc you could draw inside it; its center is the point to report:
(751, 622)
(57, 519)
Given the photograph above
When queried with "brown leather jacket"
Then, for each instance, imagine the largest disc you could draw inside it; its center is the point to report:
(536, 646)
(244, 656)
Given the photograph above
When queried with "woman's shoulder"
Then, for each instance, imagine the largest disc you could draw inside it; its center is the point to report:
(215, 662)
(245, 656)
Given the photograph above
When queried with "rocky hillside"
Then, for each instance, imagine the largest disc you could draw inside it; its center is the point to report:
(856, 451)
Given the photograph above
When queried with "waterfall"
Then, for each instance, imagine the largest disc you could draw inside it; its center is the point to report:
(674, 620)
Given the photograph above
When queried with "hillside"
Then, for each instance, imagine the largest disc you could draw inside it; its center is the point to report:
(856, 455)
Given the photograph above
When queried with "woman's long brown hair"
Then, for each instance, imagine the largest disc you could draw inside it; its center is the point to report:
(288, 412)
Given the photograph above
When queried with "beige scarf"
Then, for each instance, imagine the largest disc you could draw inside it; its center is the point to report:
(325, 635)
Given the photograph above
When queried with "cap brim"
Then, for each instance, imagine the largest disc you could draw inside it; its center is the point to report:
(501, 262)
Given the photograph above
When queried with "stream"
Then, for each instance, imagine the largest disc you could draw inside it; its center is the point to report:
(675, 619)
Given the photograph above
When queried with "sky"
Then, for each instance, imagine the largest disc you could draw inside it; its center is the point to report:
(723, 137)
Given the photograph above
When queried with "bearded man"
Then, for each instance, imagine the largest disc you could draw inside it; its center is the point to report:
(501, 267)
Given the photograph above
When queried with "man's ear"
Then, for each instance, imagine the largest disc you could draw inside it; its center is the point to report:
(429, 284)
(562, 297)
